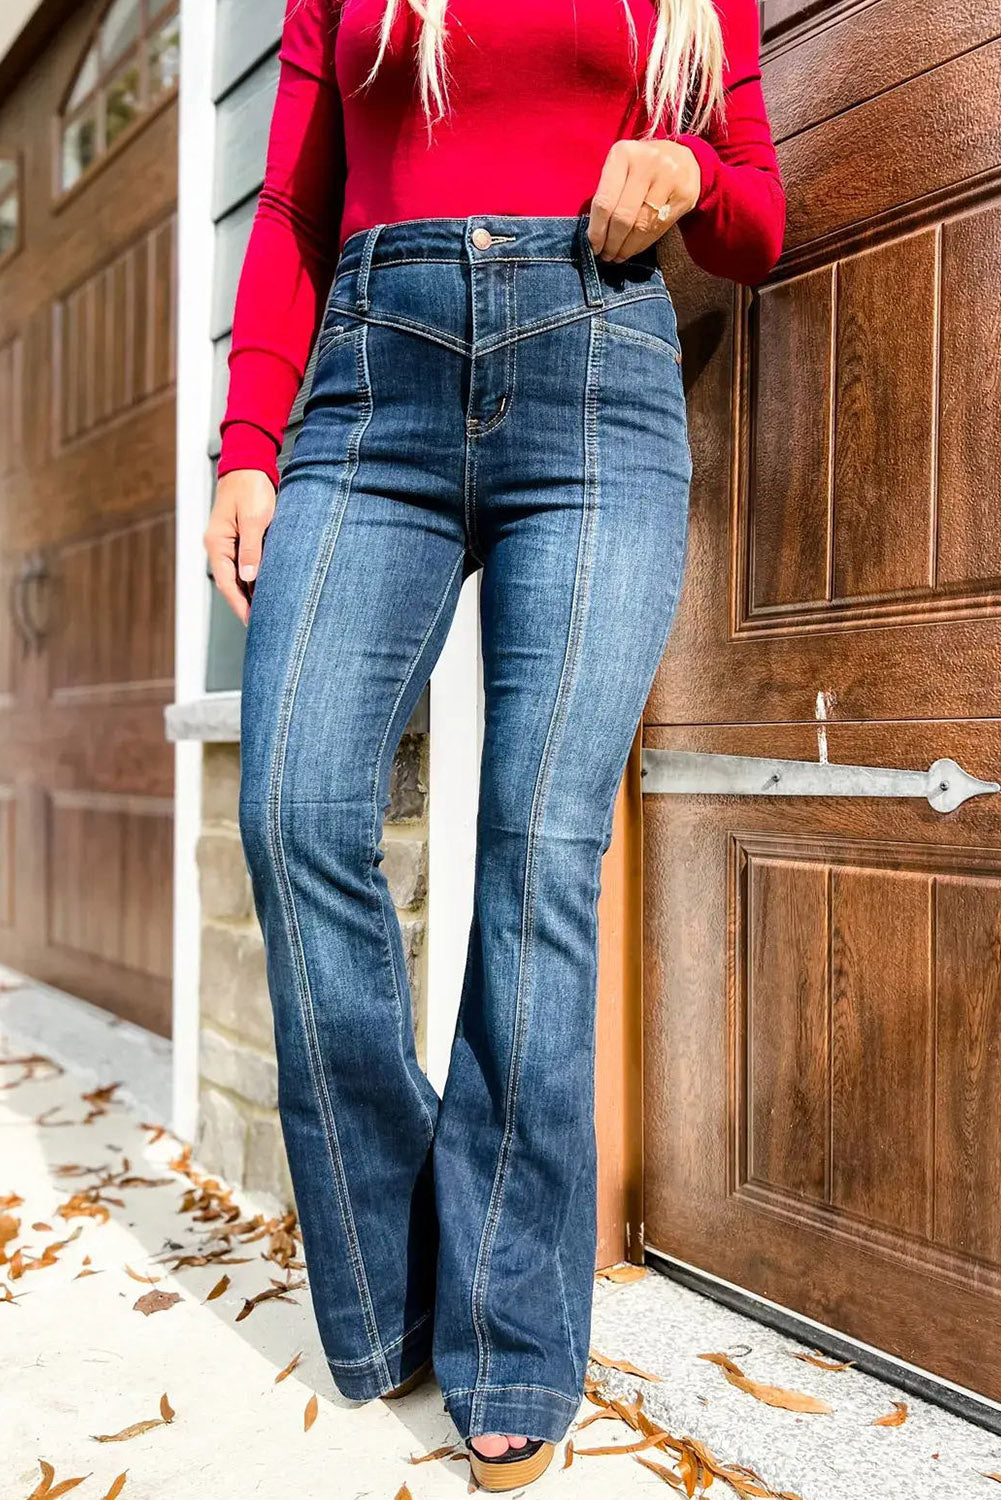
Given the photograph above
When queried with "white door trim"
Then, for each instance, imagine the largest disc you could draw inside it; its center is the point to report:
(195, 253)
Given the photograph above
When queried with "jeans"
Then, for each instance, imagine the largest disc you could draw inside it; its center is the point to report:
(486, 395)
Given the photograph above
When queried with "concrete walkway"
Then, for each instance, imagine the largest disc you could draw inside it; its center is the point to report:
(123, 1280)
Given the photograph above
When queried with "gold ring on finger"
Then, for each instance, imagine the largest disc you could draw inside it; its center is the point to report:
(662, 211)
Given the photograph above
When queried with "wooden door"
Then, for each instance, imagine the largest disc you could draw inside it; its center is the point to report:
(86, 511)
(822, 1025)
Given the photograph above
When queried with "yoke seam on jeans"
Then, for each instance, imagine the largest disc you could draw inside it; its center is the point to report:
(276, 849)
(356, 1364)
(407, 678)
(557, 719)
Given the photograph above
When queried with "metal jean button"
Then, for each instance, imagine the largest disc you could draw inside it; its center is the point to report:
(482, 239)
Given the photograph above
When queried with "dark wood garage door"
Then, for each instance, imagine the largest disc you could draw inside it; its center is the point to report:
(822, 1025)
(87, 506)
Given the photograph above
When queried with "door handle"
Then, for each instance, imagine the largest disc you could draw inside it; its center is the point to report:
(945, 784)
(30, 621)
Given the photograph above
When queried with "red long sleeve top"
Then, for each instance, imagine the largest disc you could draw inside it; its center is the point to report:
(538, 92)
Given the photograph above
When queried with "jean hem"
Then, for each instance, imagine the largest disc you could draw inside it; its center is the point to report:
(533, 1410)
(366, 1381)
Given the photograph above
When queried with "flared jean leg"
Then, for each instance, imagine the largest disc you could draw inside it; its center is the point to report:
(341, 645)
(579, 587)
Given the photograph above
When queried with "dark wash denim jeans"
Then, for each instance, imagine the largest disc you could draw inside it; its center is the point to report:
(486, 395)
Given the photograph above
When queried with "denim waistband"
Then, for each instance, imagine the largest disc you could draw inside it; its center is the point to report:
(512, 237)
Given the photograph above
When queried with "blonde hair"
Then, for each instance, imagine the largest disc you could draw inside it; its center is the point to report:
(682, 89)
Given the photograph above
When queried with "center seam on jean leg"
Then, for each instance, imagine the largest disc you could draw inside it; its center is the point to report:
(276, 849)
(578, 607)
(407, 678)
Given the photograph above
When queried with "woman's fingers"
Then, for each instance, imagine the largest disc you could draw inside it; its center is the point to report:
(234, 540)
(629, 208)
(647, 227)
(222, 561)
(607, 195)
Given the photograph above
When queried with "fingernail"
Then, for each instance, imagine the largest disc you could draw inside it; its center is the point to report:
(248, 573)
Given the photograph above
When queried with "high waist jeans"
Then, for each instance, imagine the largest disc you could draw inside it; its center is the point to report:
(489, 396)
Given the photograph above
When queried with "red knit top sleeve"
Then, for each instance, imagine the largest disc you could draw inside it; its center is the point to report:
(292, 250)
(736, 228)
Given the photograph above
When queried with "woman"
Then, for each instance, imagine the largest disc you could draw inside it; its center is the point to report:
(498, 386)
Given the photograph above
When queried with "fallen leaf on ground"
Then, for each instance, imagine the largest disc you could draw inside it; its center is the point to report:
(309, 1415)
(993, 1476)
(117, 1487)
(154, 1302)
(99, 1099)
(275, 1293)
(218, 1290)
(87, 1271)
(623, 1365)
(621, 1274)
(42, 1228)
(771, 1395)
(45, 1491)
(149, 1280)
(10, 1200)
(288, 1368)
(568, 1454)
(166, 1416)
(10, 1228)
(895, 1418)
(403, 1493)
(825, 1364)
(427, 1458)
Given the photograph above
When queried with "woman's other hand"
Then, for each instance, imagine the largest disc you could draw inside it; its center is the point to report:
(234, 540)
(637, 174)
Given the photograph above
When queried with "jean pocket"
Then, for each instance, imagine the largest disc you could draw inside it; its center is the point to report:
(648, 321)
(338, 326)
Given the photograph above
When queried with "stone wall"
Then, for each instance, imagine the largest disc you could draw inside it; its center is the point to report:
(239, 1134)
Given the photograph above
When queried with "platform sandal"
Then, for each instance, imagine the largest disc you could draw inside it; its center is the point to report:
(410, 1384)
(516, 1467)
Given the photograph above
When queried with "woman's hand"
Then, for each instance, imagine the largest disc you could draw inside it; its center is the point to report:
(234, 541)
(636, 175)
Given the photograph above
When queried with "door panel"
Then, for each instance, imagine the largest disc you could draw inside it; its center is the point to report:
(821, 980)
(822, 1040)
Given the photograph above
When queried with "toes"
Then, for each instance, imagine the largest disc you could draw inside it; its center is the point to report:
(516, 1442)
(490, 1444)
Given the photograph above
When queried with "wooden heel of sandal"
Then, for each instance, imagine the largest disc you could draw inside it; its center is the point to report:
(514, 1469)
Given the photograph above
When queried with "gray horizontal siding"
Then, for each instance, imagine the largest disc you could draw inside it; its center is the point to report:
(242, 121)
(246, 31)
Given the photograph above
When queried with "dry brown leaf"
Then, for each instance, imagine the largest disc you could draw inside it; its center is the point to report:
(277, 1292)
(154, 1302)
(824, 1364)
(166, 1416)
(292, 1364)
(87, 1271)
(663, 1472)
(568, 1454)
(135, 1430)
(117, 1487)
(770, 1395)
(10, 1228)
(895, 1418)
(148, 1280)
(42, 1488)
(218, 1290)
(653, 1441)
(309, 1415)
(65, 1487)
(42, 1228)
(623, 1365)
(99, 1099)
(10, 1200)
(993, 1476)
(621, 1274)
(403, 1493)
(427, 1458)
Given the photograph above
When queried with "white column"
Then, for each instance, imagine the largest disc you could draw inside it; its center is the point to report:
(456, 741)
(196, 243)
